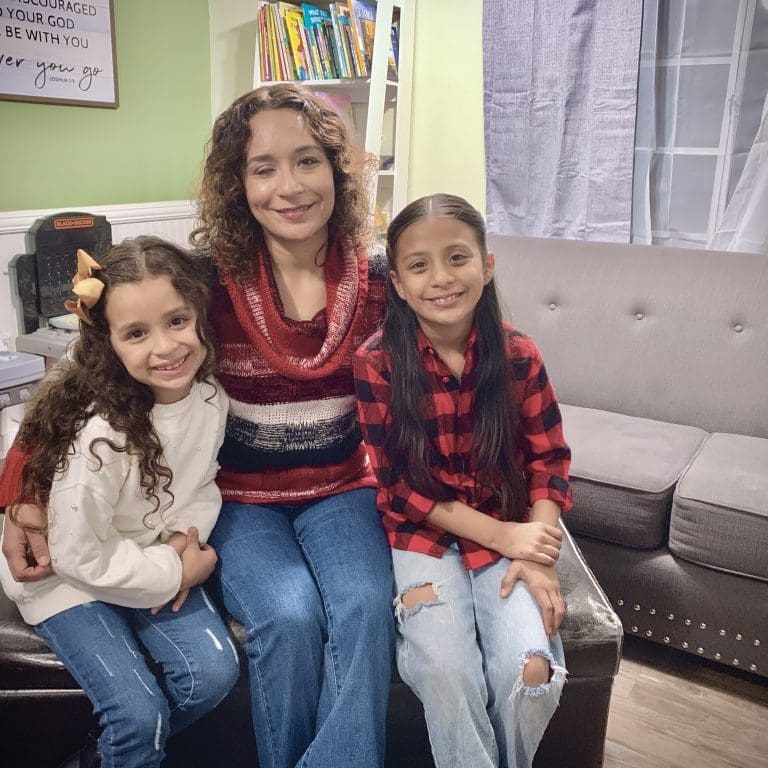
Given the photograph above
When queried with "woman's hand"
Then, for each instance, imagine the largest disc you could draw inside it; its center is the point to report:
(544, 585)
(536, 541)
(26, 552)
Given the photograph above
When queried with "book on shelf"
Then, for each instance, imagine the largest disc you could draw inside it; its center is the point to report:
(317, 22)
(355, 44)
(341, 43)
(394, 50)
(304, 41)
(364, 21)
(341, 103)
(294, 22)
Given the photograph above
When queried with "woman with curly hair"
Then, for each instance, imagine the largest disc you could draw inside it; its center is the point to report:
(304, 564)
(121, 444)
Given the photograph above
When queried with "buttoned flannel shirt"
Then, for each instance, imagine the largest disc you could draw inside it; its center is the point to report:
(542, 450)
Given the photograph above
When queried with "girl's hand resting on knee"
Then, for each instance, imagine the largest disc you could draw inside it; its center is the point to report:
(535, 541)
(197, 561)
(544, 585)
(197, 564)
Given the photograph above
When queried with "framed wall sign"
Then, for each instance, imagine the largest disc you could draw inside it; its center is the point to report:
(58, 51)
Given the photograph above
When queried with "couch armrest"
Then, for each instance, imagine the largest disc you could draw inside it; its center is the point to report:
(591, 632)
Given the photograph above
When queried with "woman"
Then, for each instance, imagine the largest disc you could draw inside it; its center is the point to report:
(303, 561)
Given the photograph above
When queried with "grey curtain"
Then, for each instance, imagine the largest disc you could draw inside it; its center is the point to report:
(560, 99)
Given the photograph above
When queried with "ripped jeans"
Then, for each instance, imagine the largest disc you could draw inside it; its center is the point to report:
(140, 702)
(463, 655)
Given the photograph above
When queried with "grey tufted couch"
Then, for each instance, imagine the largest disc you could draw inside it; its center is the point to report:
(660, 356)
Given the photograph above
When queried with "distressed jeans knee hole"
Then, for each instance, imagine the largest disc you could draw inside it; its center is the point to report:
(423, 594)
(556, 674)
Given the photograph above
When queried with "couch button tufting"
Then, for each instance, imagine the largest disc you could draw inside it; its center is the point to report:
(553, 305)
(738, 328)
(639, 316)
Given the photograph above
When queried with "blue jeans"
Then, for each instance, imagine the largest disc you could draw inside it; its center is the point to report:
(312, 585)
(139, 703)
(463, 655)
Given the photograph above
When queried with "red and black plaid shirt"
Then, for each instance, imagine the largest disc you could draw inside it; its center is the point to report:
(543, 452)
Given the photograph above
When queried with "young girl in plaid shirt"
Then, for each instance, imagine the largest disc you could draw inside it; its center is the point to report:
(465, 436)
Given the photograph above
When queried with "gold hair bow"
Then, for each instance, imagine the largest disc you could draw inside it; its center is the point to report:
(85, 286)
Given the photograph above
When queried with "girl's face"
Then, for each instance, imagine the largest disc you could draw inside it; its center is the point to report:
(440, 272)
(152, 329)
(288, 179)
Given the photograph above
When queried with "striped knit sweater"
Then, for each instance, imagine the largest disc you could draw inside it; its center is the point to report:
(292, 434)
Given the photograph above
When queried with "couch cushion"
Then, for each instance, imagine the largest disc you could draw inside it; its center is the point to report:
(623, 474)
(720, 508)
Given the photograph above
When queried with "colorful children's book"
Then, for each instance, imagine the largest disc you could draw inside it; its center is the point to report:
(342, 103)
(354, 56)
(265, 66)
(273, 32)
(294, 22)
(341, 35)
(364, 24)
(394, 50)
(315, 20)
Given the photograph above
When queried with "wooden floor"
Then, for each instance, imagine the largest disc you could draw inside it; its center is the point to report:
(672, 710)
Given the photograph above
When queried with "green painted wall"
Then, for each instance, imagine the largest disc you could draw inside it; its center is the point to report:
(447, 146)
(148, 149)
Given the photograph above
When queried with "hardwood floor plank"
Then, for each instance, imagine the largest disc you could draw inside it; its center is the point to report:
(672, 710)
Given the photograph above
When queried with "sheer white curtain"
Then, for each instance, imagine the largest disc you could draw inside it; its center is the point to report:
(745, 222)
(701, 162)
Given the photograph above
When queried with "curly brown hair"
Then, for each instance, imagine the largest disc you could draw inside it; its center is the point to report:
(93, 381)
(226, 224)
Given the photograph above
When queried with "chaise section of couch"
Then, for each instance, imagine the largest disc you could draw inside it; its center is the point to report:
(660, 357)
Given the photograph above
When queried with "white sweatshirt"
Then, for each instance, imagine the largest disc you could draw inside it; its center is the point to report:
(102, 547)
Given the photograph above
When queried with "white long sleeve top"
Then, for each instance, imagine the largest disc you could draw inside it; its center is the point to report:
(106, 541)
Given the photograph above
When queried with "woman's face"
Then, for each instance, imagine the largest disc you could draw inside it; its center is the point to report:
(288, 179)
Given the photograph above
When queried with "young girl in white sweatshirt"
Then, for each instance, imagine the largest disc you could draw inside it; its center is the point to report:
(121, 443)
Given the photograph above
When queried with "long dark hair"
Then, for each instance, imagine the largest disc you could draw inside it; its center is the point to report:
(93, 381)
(226, 224)
(495, 413)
